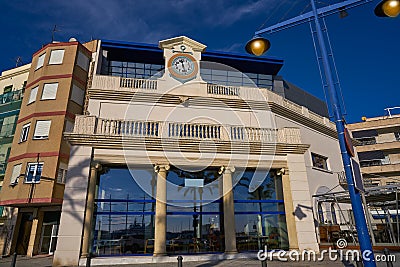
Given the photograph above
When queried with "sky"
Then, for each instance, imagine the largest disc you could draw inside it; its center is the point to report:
(366, 48)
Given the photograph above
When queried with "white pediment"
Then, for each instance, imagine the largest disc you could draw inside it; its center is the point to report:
(182, 40)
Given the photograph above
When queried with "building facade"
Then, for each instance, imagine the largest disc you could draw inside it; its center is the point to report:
(378, 149)
(38, 160)
(12, 87)
(183, 150)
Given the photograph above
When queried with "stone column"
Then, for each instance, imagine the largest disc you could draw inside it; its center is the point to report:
(289, 212)
(72, 218)
(160, 233)
(88, 222)
(229, 210)
(36, 230)
(301, 203)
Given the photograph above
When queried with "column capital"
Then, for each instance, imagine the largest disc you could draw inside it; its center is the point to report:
(161, 167)
(226, 169)
(96, 165)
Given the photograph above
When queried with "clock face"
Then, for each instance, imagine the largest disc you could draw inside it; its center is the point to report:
(182, 67)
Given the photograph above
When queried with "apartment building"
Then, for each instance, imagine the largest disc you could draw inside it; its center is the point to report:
(34, 179)
(378, 149)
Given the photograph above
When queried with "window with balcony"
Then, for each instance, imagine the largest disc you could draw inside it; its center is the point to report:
(49, 91)
(56, 57)
(24, 132)
(32, 96)
(40, 61)
(33, 172)
(42, 129)
(320, 162)
(16, 172)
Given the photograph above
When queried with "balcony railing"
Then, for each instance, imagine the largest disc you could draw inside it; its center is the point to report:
(11, 96)
(217, 89)
(91, 125)
(132, 84)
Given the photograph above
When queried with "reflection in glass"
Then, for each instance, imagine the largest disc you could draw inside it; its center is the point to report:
(259, 215)
(124, 216)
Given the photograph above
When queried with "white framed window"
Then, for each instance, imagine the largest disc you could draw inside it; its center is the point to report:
(56, 56)
(320, 162)
(33, 172)
(42, 129)
(33, 94)
(49, 91)
(83, 61)
(16, 172)
(77, 95)
(40, 61)
(24, 132)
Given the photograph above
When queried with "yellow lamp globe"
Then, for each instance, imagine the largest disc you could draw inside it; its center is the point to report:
(391, 8)
(257, 46)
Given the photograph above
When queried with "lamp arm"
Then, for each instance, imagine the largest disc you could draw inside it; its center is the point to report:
(322, 12)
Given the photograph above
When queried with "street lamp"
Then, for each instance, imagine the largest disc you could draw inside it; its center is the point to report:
(388, 8)
(258, 45)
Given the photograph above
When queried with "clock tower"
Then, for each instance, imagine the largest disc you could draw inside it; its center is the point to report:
(182, 59)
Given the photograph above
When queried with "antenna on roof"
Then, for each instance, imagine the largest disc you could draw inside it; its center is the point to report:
(18, 61)
(54, 31)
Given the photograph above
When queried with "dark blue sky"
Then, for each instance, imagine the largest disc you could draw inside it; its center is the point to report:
(366, 48)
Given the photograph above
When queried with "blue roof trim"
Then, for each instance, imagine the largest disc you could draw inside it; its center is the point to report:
(233, 59)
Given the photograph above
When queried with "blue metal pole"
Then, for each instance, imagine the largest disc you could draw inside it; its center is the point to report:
(361, 225)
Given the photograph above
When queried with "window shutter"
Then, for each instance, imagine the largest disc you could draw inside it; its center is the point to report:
(77, 95)
(42, 129)
(40, 61)
(32, 96)
(15, 173)
(56, 56)
(49, 91)
(83, 61)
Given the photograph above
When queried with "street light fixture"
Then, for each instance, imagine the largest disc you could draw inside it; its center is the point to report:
(388, 8)
(258, 45)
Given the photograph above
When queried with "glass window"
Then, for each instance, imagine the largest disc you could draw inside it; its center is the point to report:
(33, 94)
(49, 91)
(15, 174)
(42, 129)
(33, 172)
(56, 57)
(194, 217)
(40, 61)
(319, 161)
(124, 216)
(259, 215)
(24, 132)
(397, 136)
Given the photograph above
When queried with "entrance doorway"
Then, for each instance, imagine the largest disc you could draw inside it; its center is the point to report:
(24, 233)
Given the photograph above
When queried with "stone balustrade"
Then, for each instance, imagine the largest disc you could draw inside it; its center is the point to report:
(213, 90)
(91, 125)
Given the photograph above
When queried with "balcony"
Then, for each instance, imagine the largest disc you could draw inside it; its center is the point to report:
(379, 167)
(184, 137)
(91, 125)
(11, 96)
(108, 87)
